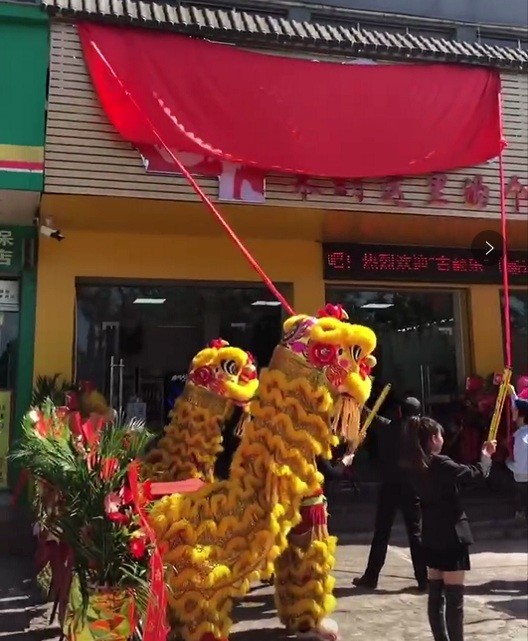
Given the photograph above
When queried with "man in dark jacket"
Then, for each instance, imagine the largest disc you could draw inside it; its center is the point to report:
(395, 494)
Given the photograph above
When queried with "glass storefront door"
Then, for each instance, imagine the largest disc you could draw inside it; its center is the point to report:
(136, 342)
(420, 340)
(9, 326)
(519, 330)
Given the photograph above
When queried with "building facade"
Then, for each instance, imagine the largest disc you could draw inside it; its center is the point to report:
(24, 57)
(145, 276)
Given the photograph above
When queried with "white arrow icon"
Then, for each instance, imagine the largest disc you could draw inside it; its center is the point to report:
(491, 248)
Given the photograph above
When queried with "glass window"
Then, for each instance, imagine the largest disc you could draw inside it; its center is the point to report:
(519, 330)
(420, 349)
(137, 341)
(9, 325)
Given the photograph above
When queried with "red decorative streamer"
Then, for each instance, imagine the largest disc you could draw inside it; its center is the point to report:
(156, 628)
(505, 275)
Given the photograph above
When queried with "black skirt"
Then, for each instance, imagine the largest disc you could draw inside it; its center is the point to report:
(449, 559)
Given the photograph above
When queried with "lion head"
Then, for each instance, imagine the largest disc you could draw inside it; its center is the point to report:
(342, 350)
(228, 372)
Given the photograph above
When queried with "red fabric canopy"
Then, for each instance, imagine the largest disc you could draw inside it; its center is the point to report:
(295, 116)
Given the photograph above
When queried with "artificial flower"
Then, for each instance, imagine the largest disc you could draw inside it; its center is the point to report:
(112, 504)
(333, 311)
(91, 430)
(365, 368)
(144, 494)
(218, 343)
(109, 468)
(138, 546)
(322, 354)
(202, 376)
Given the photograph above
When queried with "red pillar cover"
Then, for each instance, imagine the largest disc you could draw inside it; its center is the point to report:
(279, 114)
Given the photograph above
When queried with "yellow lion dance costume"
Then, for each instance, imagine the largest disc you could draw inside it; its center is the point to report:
(218, 540)
(220, 377)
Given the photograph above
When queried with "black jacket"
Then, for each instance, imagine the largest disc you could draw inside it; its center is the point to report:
(330, 470)
(444, 523)
(389, 436)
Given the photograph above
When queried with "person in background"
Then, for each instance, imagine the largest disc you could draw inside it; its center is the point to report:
(395, 494)
(518, 464)
(446, 535)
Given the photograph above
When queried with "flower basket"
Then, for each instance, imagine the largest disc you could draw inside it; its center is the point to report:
(109, 616)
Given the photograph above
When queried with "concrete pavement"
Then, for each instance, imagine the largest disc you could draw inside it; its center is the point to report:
(496, 603)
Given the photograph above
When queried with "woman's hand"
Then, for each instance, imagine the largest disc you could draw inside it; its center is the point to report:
(511, 391)
(347, 460)
(489, 448)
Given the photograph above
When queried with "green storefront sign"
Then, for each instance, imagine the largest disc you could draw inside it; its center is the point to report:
(18, 284)
(12, 249)
(24, 58)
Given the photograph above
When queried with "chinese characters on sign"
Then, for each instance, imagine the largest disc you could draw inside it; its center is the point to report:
(374, 262)
(518, 191)
(6, 247)
(474, 192)
(11, 249)
(239, 183)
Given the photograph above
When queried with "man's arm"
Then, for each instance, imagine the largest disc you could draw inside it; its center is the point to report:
(378, 420)
(329, 470)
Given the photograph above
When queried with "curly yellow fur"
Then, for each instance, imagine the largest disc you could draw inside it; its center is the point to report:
(304, 585)
(190, 445)
(220, 376)
(221, 538)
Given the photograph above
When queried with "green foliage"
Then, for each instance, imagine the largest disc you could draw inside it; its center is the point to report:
(53, 388)
(80, 471)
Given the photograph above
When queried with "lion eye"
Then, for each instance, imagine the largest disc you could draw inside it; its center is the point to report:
(230, 366)
(356, 352)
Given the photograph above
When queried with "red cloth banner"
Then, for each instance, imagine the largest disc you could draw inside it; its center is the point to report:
(280, 114)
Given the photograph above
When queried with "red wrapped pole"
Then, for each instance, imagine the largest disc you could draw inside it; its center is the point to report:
(505, 274)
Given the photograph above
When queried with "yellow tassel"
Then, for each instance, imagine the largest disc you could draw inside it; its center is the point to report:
(372, 415)
(345, 421)
(242, 423)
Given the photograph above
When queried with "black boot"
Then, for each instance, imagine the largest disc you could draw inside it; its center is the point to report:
(454, 595)
(436, 610)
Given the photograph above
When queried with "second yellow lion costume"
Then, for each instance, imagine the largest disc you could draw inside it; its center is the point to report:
(220, 377)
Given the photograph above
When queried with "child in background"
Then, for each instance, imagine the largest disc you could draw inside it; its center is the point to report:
(518, 464)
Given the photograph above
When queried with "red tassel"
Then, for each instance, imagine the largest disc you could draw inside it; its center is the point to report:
(156, 628)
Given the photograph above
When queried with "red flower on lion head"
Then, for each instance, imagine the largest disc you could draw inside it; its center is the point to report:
(218, 343)
(333, 311)
(322, 354)
(202, 376)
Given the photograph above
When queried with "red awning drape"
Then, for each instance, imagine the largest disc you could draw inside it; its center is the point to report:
(296, 116)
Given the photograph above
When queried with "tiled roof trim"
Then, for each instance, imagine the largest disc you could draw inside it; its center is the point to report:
(265, 30)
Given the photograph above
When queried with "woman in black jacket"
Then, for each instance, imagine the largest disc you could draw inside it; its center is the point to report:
(446, 535)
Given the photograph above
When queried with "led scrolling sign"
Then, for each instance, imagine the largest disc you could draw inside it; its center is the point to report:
(388, 262)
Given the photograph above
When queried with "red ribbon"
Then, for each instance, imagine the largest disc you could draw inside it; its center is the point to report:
(156, 628)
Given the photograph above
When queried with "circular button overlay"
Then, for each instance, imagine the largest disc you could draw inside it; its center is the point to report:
(487, 247)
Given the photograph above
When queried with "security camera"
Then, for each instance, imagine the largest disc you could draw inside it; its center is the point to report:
(51, 232)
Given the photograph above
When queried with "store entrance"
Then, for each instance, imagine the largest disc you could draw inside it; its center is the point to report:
(135, 343)
(420, 341)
